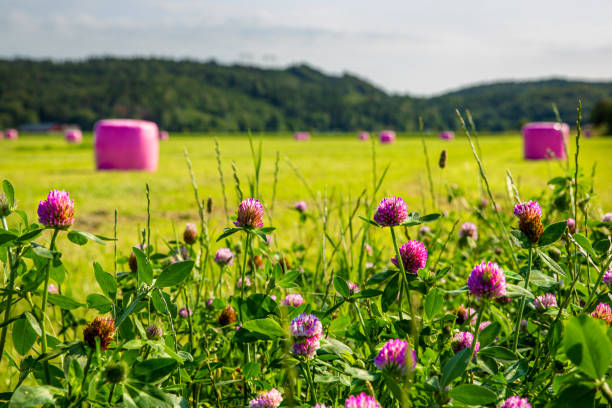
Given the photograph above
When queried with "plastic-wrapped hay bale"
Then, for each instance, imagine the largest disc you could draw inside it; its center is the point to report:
(387, 136)
(11, 134)
(364, 136)
(126, 144)
(587, 131)
(74, 136)
(1, 134)
(163, 135)
(447, 135)
(301, 135)
(545, 140)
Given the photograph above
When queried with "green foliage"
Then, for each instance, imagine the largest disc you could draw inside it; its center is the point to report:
(184, 333)
(587, 345)
(194, 96)
(472, 394)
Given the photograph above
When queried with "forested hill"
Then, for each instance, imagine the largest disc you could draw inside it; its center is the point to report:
(196, 96)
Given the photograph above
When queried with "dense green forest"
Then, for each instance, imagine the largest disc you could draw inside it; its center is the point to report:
(203, 96)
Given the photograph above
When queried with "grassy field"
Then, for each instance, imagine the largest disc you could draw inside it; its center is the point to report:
(339, 163)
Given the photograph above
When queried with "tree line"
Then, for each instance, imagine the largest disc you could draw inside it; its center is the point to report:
(187, 95)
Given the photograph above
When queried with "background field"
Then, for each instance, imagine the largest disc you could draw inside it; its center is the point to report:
(36, 164)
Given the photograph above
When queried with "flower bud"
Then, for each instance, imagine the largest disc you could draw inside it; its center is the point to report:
(442, 162)
(154, 332)
(116, 372)
(133, 263)
(5, 207)
(190, 234)
(227, 316)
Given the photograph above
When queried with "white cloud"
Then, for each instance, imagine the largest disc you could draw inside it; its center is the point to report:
(415, 47)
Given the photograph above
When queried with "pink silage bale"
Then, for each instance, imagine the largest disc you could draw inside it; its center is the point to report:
(447, 135)
(544, 140)
(301, 135)
(387, 136)
(74, 136)
(11, 134)
(126, 144)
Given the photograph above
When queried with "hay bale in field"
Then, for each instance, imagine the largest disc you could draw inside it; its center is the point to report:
(447, 135)
(364, 136)
(545, 140)
(387, 136)
(74, 136)
(163, 135)
(11, 134)
(301, 135)
(1, 134)
(126, 144)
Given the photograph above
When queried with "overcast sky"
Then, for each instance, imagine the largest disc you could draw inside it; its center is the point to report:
(418, 47)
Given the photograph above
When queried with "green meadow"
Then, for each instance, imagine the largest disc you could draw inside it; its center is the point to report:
(334, 165)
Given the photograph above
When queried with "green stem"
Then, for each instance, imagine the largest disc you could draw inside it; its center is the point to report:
(481, 312)
(365, 332)
(517, 326)
(87, 366)
(308, 375)
(430, 179)
(593, 290)
(43, 307)
(9, 288)
(204, 258)
(148, 251)
(110, 394)
(551, 330)
(191, 345)
(400, 262)
(607, 393)
(243, 272)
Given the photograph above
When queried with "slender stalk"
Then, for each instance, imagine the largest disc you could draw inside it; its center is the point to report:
(323, 254)
(606, 392)
(502, 226)
(374, 178)
(565, 147)
(256, 163)
(43, 307)
(450, 234)
(273, 200)
(188, 319)
(237, 182)
(110, 394)
(552, 325)
(576, 161)
(9, 289)
(220, 170)
(481, 312)
(430, 179)
(306, 370)
(115, 268)
(400, 262)
(247, 241)
(593, 290)
(87, 366)
(473, 127)
(362, 322)
(517, 325)
(204, 238)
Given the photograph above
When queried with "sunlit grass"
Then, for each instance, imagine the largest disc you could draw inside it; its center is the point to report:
(340, 163)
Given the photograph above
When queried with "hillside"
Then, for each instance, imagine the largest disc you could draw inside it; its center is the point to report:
(197, 96)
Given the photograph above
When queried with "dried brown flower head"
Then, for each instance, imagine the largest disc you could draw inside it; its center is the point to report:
(102, 327)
